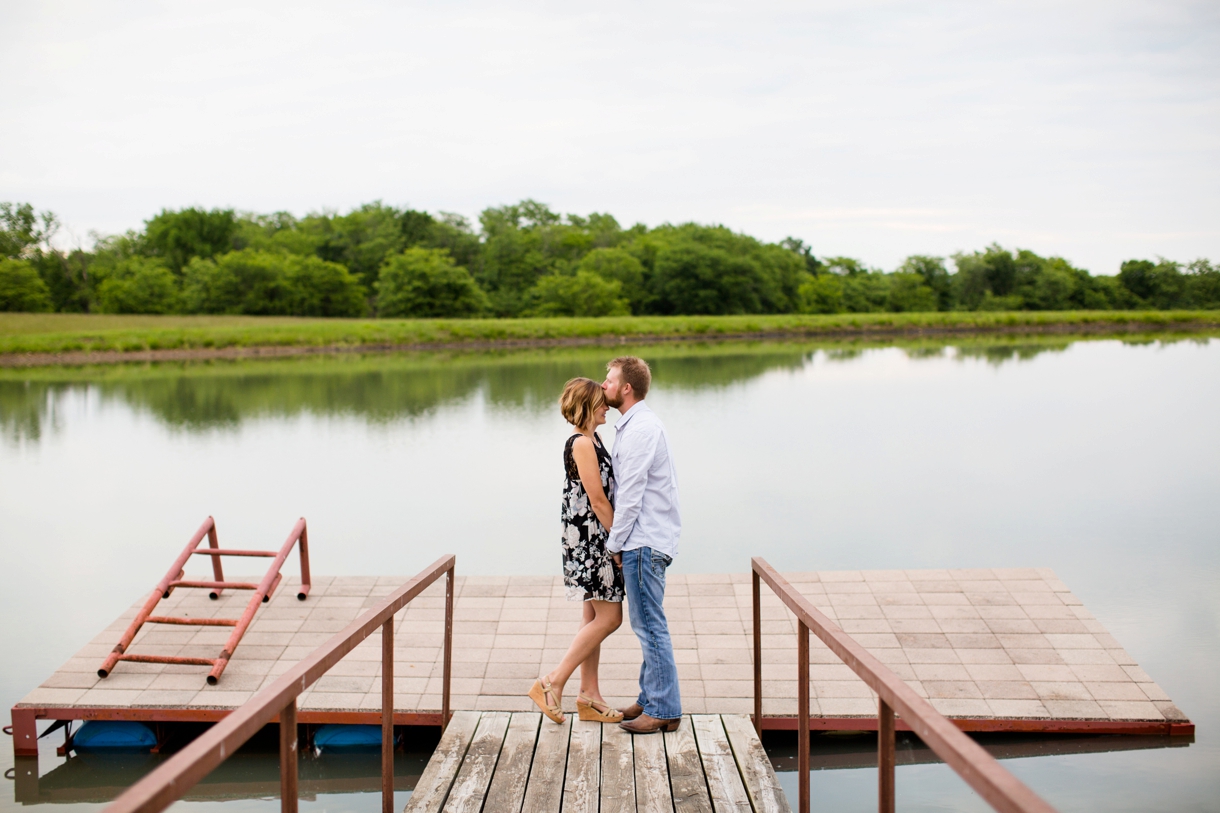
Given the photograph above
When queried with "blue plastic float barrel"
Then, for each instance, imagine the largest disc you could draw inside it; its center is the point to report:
(333, 737)
(114, 735)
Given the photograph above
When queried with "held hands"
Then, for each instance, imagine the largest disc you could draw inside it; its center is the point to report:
(618, 560)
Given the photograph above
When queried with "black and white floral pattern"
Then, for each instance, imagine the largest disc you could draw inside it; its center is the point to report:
(588, 570)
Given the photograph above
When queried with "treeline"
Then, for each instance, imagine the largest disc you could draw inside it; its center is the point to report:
(526, 260)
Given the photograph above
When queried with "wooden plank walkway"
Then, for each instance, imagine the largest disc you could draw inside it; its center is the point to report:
(515, 762)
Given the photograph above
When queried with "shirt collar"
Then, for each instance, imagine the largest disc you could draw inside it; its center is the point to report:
(638, 406)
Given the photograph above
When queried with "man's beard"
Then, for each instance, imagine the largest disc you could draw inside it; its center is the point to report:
(613, 403)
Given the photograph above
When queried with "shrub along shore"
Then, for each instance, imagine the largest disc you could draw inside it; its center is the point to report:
(34, 339)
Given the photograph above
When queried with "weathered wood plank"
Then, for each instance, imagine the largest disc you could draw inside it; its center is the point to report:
(474, 777)
(724, 783)
(433, 785)
(651, 774)
(686, 778)
(544, 793)
(755, 766)
(507, 790)
(583, 779)
(618, 771)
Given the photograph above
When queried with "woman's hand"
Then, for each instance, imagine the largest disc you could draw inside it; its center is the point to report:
(618, 559)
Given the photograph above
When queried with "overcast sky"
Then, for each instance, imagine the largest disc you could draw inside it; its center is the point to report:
(870, 129)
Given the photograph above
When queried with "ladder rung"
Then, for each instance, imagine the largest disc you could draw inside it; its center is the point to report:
(168, 659)
(215, 585)
(201, 622)
(234, 552)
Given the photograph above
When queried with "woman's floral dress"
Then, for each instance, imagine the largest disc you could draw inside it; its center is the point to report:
(588, 570)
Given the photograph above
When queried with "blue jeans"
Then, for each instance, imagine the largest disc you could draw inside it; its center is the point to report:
(644, 575)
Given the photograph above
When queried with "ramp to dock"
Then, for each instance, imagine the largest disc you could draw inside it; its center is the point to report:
(516, 761)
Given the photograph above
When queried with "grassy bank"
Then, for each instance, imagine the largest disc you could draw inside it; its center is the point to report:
(77, 333)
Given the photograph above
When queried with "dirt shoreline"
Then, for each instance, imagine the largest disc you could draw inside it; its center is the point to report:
(81, 358)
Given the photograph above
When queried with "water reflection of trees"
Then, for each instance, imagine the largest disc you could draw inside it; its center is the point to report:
(378, 389)
(381, 388)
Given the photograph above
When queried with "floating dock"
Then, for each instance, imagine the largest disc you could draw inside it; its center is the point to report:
(994, 650)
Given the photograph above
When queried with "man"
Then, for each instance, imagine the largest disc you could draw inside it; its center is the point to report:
(644, 539)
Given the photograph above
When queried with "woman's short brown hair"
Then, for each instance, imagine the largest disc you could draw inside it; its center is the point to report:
(581, 398)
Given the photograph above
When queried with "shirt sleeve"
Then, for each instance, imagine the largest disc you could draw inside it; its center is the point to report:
(631, 479)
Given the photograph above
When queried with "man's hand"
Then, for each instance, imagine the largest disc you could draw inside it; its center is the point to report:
(618, 560)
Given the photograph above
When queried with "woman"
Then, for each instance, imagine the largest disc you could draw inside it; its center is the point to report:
(588, 571)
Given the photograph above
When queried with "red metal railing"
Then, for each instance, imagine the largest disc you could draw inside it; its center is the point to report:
(998, 787)
(174, 579)
(168, 783)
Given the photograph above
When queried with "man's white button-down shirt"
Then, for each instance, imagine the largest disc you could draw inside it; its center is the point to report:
(646, 485)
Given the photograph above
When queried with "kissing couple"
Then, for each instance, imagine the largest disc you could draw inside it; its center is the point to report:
(621, 526)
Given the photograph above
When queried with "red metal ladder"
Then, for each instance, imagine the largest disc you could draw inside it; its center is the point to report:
(174, 579)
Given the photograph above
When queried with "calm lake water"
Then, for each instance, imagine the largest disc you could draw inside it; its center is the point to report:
(1100, 459)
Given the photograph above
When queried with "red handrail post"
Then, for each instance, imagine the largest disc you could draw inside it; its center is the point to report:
(217, 571)
(387, 716)
(303, 554)
(758, 712)
(449, 588)
(288, 757)
(802, 712)
(885, 757)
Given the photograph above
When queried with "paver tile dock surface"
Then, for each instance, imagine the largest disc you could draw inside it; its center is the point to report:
(1005, 648)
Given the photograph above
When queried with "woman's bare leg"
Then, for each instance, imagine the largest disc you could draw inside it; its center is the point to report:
(607, 616)
(588, 667)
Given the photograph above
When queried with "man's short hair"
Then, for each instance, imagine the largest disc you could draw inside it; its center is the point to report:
(635, 371)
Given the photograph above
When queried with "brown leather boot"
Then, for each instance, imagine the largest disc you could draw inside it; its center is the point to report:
(632, 711)
(650, 725)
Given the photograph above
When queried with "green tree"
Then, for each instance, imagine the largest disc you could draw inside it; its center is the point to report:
(246, 281)
(866, 292)
(910, 293)
(693, 278)
(361, 240)
(1159, 285)
(453, 233)
(844, 266)
(993, 272)
(619, 265)
(276, 232)
(21, 289)
(822, 294)
(179, 236)
(320, 288)
(935, 275)
(1203, 284)
(583, 294)
(426, 283)
(22, 230)
(526, 241)
(710, 269)
(813, 266)
(1054, 287)
(138, 285)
